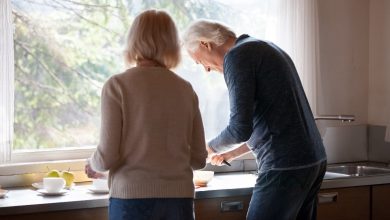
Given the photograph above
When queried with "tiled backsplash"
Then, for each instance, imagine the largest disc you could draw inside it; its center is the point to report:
(342, 144)
(378, 149)
(346, 143)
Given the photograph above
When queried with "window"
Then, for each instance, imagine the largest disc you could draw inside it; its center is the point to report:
(64, 50)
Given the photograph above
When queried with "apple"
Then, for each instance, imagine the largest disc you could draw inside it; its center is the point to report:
(68, 177)
(53, 173)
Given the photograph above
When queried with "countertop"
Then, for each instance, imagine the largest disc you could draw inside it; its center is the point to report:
(27, 200)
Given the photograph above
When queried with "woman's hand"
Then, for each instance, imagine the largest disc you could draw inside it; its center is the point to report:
(93, 174)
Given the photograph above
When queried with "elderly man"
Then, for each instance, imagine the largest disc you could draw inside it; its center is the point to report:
(270, 114)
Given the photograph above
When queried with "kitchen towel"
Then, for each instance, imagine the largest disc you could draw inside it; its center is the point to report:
(387, 135)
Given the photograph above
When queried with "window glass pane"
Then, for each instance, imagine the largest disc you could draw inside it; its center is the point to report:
(66, 49)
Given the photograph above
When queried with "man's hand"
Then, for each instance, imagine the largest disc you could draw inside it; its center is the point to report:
(210, 153)
(217, 159)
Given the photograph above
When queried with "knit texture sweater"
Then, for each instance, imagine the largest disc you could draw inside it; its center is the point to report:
(268, 108)
(152, 135)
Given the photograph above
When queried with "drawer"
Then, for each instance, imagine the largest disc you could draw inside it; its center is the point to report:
(227, 208)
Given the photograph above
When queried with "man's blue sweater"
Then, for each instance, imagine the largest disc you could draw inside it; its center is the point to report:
(268, 108)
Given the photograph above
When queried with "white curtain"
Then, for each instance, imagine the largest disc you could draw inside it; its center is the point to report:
(6, 80)
(293, 25)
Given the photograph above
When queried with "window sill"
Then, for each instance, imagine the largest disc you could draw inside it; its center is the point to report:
(27, 156)
(24, 174)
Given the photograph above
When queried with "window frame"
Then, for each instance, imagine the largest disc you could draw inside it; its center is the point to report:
(12, 157)
(33, 156)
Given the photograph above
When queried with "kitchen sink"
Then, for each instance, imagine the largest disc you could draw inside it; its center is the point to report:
(332, 175)
(358, 170)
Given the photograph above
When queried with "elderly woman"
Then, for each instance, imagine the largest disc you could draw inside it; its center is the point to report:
(152, 136)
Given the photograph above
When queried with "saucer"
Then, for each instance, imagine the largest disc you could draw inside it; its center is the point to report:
(46, 193)
(98, 191)
(3, 192)
(39, 185)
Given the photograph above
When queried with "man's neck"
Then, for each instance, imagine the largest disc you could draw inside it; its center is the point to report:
(230, 42)
(224, 48)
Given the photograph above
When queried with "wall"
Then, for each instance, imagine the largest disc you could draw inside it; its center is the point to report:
(343, 82)
(379, 63)
(355, 77)
(379, 81)
(343, 30)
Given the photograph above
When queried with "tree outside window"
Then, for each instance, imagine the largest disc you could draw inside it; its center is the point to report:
(66, 49)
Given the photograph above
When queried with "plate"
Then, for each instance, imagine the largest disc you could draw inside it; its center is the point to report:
(3, 192)
(98, 191)
(39, 185)
(46, 193)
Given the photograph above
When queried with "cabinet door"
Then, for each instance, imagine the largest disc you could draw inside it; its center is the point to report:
(79, 214)
(344, 203)
(381, 202)
(228, 208)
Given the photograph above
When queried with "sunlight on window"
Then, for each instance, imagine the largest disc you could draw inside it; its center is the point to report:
(66, 49)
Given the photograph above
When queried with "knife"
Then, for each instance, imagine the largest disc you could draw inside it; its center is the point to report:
(227, 163)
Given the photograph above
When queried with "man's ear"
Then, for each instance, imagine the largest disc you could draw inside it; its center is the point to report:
(206, 45)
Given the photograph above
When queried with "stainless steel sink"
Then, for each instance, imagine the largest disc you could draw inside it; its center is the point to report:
(332, 175)
(358, 170)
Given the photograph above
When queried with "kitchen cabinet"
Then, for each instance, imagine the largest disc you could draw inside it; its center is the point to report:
(360, 202)
(226, 208)
(344, 203)
(381, 202)
(78, 214)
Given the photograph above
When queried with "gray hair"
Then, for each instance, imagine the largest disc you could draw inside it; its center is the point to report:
(207, 31)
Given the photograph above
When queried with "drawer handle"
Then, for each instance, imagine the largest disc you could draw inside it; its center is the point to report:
(235, 206)
(327, 197)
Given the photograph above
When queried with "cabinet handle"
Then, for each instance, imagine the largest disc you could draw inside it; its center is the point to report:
(234, 206)
(327, 197)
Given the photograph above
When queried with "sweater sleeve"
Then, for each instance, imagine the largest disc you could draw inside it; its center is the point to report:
(240, 81)
(108, 150)
(198, 143)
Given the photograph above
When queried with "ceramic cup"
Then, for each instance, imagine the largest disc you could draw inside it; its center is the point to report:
(100, 184)
(53, 184)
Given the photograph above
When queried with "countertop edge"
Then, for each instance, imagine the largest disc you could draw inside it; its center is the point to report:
(49, 207)
(205, 193)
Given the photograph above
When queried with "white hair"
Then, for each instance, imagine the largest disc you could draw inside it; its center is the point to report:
(208, 31)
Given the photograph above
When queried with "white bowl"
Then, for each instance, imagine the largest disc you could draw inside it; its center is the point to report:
(53, 184)
(202, 177)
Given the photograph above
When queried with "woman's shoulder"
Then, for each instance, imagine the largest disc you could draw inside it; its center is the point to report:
(137, 73)
(121, 76)
(179, 78)
(114, 81)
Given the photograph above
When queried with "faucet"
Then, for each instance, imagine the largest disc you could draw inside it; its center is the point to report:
(343, 118)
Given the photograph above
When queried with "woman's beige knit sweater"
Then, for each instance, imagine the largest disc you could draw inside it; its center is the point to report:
(152, 135)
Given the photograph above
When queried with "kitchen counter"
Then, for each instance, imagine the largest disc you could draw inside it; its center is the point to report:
(27, 200)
